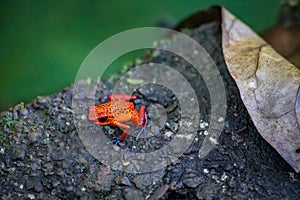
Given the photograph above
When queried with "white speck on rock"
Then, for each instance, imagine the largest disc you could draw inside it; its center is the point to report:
(168, 135)
(213, 140)
(252, 83)
(187, 136)
(116, 148)
(214, 177)
(224, 177)
(31, 196)
(221, 119)
(203, 125)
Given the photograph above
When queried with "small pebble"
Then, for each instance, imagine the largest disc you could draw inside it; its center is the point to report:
(159, 192)
(224, 177)
(168, 135)
(203, 125)
(24, 112)
(2, 150)
(123, 180)
(214, 177)
(70, 188)
(116, 148)
(31, 196)
(221, 119)
(55, 183)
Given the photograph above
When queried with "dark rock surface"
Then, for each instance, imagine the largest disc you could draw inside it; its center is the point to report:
(42, 157)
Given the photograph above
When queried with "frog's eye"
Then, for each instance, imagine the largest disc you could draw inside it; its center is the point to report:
(103, 119)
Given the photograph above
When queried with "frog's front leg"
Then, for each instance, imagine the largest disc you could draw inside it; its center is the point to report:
(123, 97)
(123, 126)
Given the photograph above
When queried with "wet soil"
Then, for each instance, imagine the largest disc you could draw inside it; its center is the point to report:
(42, 156)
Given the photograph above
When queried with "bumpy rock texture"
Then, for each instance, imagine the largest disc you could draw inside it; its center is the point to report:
(42, 157)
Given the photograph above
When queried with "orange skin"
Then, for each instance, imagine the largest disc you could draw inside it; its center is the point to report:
(119, 109)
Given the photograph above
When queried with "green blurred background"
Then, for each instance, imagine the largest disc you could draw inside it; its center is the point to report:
(43, 43)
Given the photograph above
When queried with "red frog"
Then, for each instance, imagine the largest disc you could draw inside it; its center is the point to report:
(118, 110)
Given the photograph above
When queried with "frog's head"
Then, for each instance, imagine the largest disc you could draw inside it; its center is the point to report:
(98, 115)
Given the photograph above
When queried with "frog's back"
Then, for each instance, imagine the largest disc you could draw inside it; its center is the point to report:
(121, 110)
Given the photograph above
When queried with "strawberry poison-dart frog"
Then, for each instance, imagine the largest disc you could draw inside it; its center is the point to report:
(118, 110)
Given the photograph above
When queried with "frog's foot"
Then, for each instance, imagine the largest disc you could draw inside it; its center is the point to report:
(105, 98)
(139, 132)
(115, 140)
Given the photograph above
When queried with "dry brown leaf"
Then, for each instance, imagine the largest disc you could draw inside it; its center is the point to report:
(268, 85)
